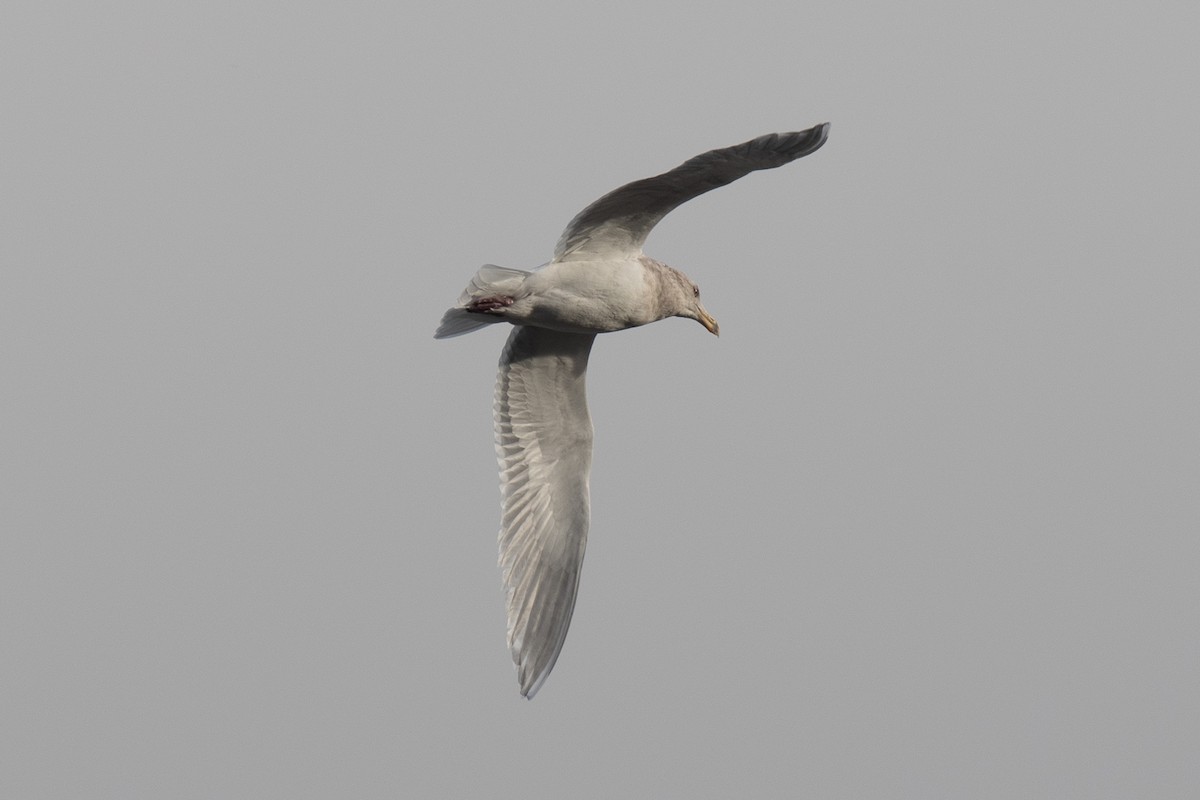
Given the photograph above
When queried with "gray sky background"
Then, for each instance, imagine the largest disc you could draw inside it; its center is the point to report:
(922, 523)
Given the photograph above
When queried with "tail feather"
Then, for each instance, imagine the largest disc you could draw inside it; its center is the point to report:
(458, 321)
(490, 279)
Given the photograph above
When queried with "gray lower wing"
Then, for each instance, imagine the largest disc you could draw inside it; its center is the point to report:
(544, 445)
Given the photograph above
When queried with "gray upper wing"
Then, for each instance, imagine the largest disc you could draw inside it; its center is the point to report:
(618, 223)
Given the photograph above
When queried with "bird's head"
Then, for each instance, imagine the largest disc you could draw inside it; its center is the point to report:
(681, 298)
(695, 310)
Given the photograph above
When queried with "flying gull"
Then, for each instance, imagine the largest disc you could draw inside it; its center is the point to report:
(599, 281)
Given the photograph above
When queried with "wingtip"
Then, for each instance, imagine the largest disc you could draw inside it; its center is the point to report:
(530, 687)
(802, 143)
(821, 132)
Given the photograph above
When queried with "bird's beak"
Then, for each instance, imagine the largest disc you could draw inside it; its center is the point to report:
(707, 321)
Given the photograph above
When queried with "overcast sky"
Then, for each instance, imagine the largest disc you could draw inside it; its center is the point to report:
(921, 523)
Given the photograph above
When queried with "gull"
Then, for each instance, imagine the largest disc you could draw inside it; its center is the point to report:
(599, 281)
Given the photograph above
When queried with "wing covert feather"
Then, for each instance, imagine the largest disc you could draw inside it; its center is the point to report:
(544, 446)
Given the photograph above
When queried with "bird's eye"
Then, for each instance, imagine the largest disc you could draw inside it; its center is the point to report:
(695, 291)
